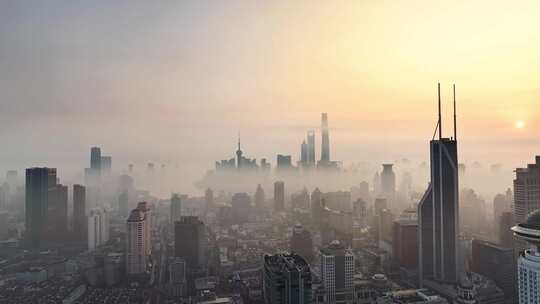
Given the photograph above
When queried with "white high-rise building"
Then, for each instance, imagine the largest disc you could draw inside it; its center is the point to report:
(138, 239)
(98, 228)
(528, 264)
(337, 272)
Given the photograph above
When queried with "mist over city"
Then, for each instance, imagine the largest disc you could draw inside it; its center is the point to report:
(269, 152)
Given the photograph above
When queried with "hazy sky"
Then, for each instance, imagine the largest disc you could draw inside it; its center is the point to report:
(174, 81)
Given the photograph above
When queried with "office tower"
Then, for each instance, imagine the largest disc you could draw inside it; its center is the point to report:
(495, 263)
(316, 207)
(388, 184)
(325, 140)
(301, 242)
(337, 272)
(286, 279)
(311, 147)
(528, 262)
(176, 208)
(58, 214)
(304, 153)
(190, 241)
(98, 228)
(405, 239)
(279, 196)
(177, 277)
(138, 240)
(209, 198)
(438, 211)
(506, 221)
(79, 212)
(284, 162)
(526, 185)
(241, 207)
(95, 159)
(259, 197)
(40, 187)
(265, 166)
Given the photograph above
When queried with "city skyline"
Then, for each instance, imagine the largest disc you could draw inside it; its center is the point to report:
(358, 77)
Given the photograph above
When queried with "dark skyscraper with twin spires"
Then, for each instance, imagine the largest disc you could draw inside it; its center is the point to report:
(438, 211)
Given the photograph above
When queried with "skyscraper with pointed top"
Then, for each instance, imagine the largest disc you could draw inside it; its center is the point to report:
(438, 211)
(325, 140)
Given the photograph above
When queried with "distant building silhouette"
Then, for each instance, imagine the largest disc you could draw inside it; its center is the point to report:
(325, 139)
(311, 148)
(190, 241)
(241, 207)
(40, 188)
(279, 196)
(388, 184)
(176, 208)
(98, 228)
(302, 243)
(259, 197)
(80, 223)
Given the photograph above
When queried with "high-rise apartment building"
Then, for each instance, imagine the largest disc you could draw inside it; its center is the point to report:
(528, 262)
(176, 208)
(209, 198)
(98, 228)
(190, 242)
(58, 214)
(286, 279)
(279, 196)
(301, 242)
(80, 224)
(405, 239)
(241, 207)
(438, 212)
(259, 197)
(337, 272)
(138, 240)
(40, 188)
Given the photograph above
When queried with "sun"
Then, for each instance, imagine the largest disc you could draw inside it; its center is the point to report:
(520, 124)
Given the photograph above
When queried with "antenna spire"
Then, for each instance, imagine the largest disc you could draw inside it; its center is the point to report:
(440, 120)
(455, 117)
(238, 140)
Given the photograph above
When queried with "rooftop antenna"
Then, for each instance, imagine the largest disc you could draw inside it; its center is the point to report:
(238, 140)
(455, 117)
(440, 120)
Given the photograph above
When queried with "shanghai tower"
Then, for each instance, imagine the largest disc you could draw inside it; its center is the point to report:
(438, 225)
(325, 141)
